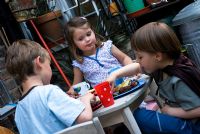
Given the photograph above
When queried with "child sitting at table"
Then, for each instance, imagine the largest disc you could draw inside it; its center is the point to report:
(158, 52)
(93, 58)
(43, 108)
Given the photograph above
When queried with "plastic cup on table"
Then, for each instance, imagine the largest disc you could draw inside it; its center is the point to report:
(81, 88)
(104, 93)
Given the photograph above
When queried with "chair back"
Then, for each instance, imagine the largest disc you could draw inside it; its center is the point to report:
(4, 130)
(89, 127)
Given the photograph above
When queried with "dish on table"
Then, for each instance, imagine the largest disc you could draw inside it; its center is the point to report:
(128, 87)
(96, 104)
(125, 86)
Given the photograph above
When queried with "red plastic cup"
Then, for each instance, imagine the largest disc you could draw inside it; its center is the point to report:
(104, 92)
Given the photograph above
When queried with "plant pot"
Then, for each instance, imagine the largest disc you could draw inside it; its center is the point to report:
(50, 27)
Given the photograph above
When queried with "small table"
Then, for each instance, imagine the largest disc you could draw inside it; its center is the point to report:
(121, 111)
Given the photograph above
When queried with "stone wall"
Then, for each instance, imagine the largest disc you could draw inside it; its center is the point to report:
(10, 91)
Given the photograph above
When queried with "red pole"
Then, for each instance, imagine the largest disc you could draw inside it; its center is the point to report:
(51, 55)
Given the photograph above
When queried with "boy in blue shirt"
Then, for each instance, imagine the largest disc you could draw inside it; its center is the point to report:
(43, 108)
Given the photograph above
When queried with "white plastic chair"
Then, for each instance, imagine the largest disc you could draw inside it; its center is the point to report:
(89, 127)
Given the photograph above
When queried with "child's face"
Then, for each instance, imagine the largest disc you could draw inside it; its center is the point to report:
(85, 39)
(147, 61)
(46, 71)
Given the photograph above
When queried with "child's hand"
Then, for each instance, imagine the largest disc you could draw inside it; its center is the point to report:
(71, 91)
(166, 109)
(111, 79)
(137, 76)
(88, 97)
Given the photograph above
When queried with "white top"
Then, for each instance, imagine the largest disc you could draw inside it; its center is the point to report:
(96, 67)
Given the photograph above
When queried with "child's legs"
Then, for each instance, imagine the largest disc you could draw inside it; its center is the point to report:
(154, 122)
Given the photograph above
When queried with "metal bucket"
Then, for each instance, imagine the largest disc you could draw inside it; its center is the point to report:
(187, 22)
(190, 33)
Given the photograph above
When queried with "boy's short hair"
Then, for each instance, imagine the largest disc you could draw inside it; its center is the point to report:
(20, 56)
(157, 37)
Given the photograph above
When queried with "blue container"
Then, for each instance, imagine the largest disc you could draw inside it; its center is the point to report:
(133, 5)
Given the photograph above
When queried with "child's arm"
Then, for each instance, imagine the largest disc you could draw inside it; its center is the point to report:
(78, 77)
(121, 57)
(128, 70)
(87, 113)
(179, 112)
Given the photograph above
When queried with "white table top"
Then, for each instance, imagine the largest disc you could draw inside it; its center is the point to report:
(123, 101)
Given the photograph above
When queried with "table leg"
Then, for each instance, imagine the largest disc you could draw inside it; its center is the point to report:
(130, 122)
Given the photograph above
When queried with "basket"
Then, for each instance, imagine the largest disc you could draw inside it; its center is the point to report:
(23, 9)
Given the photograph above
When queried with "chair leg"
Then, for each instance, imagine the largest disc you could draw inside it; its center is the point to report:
(130, 121)
(98, 126)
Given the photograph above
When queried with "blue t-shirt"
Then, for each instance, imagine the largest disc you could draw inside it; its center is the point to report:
(46, 110)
